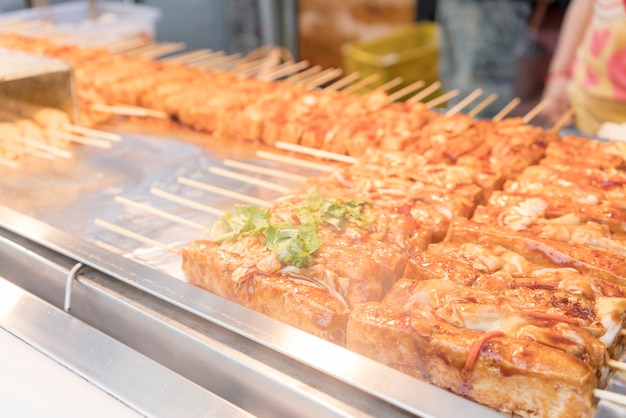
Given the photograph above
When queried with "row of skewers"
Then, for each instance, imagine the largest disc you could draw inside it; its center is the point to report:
(42, 132)
(463, 163)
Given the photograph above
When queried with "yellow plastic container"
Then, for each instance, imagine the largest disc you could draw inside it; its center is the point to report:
(411, 53)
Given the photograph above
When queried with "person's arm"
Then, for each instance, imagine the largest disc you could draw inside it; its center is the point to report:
(575, 23)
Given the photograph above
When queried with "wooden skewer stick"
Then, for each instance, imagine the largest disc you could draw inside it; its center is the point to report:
(223, 192)
(186, 56)
(252, 71)
(390, 84)
(228, 66)
(219, 61)
(406, 90)
(295, 161)
(249, 64)
(535, 110)
(372, 78)
(614, 364)
(193, 62)
(610, 396)
(482, 105)
(93, 133)
(33, 152)
(262, 170)
(250, 180)
(145, 48)
(303, 74)
(186, 202)
(283, 70)
(159, 213)
(45, 147)
(342, 82)
(563, 119)
(128, 44)
(443, 98)
(100, 143)
(138, 237)
(131, 111)
(507, 109)
(163, 50)
(315, 152)
(424, 93)
(131, 45)
(9, 163)
(460, 105)
(323, 77)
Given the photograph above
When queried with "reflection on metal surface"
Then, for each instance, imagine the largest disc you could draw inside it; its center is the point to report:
(9, 298)
(125, 374)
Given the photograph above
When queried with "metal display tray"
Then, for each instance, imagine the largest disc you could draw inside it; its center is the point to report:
(135, 293)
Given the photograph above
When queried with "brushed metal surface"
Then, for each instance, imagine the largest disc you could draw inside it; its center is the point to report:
(137, 381)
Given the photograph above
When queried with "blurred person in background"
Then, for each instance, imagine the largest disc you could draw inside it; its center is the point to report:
(478, 43)
(588, 69)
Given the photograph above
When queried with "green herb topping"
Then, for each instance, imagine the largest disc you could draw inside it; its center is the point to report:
(292, 244)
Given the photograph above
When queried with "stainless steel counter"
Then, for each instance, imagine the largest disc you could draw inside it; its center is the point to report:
(134, 294)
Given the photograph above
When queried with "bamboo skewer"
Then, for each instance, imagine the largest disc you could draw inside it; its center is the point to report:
(100, 143)
(443, 98)
(614, 397)
(228, 66)
(186, 202)
(424, 93)
(138, 237)
(9, 163)
(405, 91)
(563, 119)
(394, 82)
(306, 73)
(93, 133)
(128, 44)
(295, 161)
(535, 110)
(262, 170)
(131, 111)
(316, 152)
(248, 179)
(248, 65)
(372, 78)
(617, 365)
(186, 56)
(342, 82)
(223, 192)
(134, 45)
(218, 61)
(45, 147)
(30, 151)
(283, 70)
(507, 109)
(193, 62)
(159, 213)
(323, 77)
(463, 103)
(252, 71)
(482, 105)
(147, 50)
